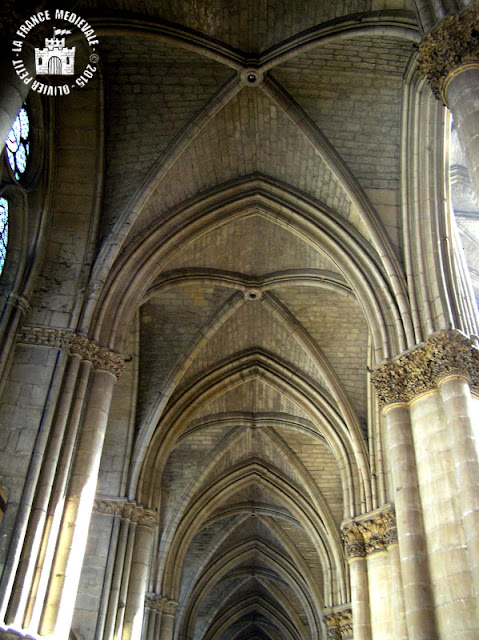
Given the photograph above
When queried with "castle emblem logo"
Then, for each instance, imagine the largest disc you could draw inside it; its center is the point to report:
(55, 59)
(54, 73)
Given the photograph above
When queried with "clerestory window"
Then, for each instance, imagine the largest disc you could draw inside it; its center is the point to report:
(17, 144)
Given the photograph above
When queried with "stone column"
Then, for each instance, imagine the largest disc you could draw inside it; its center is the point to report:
(154, 604)
(115, 588)
(449, 58)
(146, 521)
(26, 577)
(448, 562)
(356, 555)
(70, 549)
(397, 599)
(456, 401)
(418, 601)
(412, 381)
(169, 609)
(124, 562)
(52, 481)
(112, 507)
(373, 527)
(339, 623)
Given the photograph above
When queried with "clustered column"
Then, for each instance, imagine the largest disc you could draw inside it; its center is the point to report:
(426, 400)
(40, 583)
(145, 521)
(160, 619)
(368, 541)
(125, 610)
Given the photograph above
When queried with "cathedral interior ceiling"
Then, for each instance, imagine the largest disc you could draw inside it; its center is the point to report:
(251, 263)
(253, 342)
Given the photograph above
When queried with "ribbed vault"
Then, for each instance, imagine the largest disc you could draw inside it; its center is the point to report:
(248, 254)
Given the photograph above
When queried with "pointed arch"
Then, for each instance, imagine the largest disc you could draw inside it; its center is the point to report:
(314, 222)
(231, 560)
(348, 449)
(272, 481)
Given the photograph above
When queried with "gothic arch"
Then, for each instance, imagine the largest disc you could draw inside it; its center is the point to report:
(253, 473)
(313, 221)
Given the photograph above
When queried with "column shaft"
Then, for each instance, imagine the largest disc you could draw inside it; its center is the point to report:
(379, 581)
(359, 599)
(451, 577)
(28, 573)
(167, 626)
(60, 602)
(412, 544)
(456, 400)
(110, 620)
(397, 599)
(137, 584)
(125, 579)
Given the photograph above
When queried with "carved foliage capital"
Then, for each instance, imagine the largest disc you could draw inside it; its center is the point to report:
(108, 506)
(18, 301)
(379, 532)
(370, 533)
(155, 601)
(100, 357)
(339, 623)
(139, 515)
(353, 542)
(449, 46)
(144, 517)
(421, 369)
(161, 603)
(170, 607)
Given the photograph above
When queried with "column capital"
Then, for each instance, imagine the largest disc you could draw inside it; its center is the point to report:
(451, 46)
(108, 506)
(371, 532)
(161, 603)
(17, 300)
(101, 358)
(155, 601)
(339, 622)
(422, 368)
(353, 541)
(139, 515)
(144, 517)
(379, 530)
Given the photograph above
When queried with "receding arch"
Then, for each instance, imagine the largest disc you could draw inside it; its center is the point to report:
(326, 418)
(232, 559)
(310, 490)
(276, 599)
(252, 604)
(254, 472)
(312, 221)
(348, 450)
(264, 514)
(300, 335)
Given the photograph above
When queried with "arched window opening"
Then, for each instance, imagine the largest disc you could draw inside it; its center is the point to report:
(17, 144)
(3, 231)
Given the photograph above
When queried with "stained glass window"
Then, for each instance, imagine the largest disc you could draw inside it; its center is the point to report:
(3, 230)
(17, 144)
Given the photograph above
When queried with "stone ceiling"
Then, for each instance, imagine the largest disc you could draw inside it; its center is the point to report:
(243, 211)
